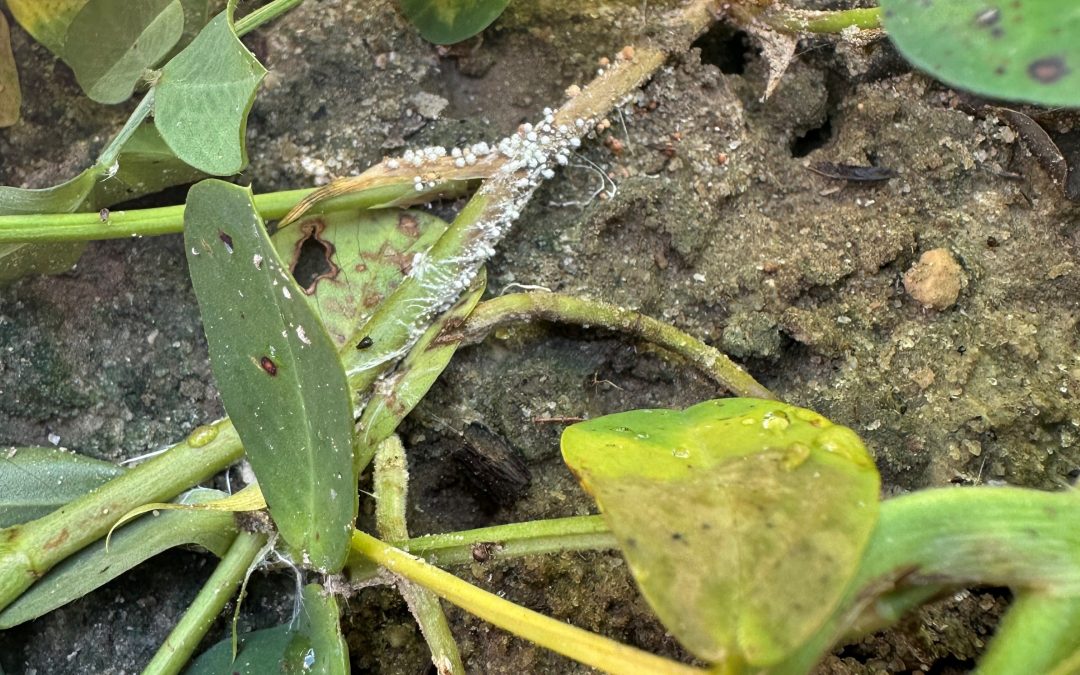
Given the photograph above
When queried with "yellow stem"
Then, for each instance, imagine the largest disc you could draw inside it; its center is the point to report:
(581, 645)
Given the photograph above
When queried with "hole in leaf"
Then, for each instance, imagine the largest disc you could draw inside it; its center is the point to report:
(812, 140)
(312, 258)
(726, 48)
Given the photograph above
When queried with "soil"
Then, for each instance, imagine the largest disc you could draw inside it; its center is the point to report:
(709, 218)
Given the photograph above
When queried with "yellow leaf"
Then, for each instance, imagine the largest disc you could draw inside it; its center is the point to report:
(248, 499)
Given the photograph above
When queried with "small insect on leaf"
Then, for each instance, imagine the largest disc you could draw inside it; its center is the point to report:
(365, 342)
(268, 365)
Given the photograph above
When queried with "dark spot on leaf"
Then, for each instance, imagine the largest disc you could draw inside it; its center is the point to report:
(225, 239)
(997, 31)
(1000, 70)
(676, 536)
(1048, 70)
(269, 366)
(631, 542)
(365, 342)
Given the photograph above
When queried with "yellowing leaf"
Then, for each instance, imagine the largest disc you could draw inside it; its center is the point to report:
(10, 94)
(742, 520)
(46, 20)
(248, 499)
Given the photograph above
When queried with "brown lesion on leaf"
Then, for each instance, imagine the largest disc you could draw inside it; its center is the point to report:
(313, 257)
(408, 225)
(387, 254)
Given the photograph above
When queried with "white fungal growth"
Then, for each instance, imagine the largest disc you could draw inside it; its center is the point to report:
(529, 157)
(302, 335)
(257, 260)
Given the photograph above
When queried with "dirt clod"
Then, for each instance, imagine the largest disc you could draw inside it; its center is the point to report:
(935, 281)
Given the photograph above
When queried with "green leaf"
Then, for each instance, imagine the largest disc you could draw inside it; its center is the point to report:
(37, 481)
(446, 21)
(203, 97)
(418, 371)
(314, 646)
(1022, 50)
(46, 20)
(145, 165)
(196, 13)
(742, 520)
(361, 257)
(10, 94)
(18, 260)
(94, 566)
(277, 370)
(112, 43)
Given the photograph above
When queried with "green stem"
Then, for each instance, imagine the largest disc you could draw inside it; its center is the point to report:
(803, 21)
(141, 112)
(577, 533)
(519, 307)
(391, 492)
(64, 227)
(1038, 632)
(215, 594)
(29, 550)
(927, 542)
(267, 12)
(581, 645)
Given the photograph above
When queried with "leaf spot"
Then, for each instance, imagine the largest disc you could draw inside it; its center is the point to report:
(225, 239)
(1048, 70)
(269, 366)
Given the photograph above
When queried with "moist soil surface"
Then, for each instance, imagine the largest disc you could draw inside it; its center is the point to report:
(697, 206)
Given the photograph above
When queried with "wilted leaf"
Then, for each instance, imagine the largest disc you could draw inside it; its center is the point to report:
(203, 97)
(348, 261)
(96, 565)
(248, 499)
(46, 20)
(743, 520)
(446, 21)
(37, 481)
(1022, 51)
(315, 645)
(10, 94)
(111, 43)
(278, 372)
